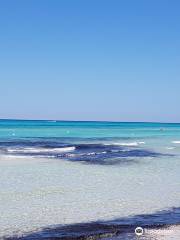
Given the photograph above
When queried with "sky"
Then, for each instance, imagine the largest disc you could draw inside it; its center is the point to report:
(111, 60)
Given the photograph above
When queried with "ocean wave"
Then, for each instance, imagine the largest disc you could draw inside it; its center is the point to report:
(6, 156)
(41, 150)
(130, 144)
(109, 153)
(176, 142)
(170, 148)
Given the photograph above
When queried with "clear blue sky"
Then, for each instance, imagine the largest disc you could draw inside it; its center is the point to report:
(90, 60)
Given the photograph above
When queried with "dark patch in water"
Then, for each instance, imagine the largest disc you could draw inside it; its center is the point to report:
(86, 153)
(110, 157)
(108, 229)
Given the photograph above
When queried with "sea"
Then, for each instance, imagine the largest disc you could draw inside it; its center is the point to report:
(88, 180)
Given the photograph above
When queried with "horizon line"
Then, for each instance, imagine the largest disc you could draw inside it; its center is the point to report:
(105, 121)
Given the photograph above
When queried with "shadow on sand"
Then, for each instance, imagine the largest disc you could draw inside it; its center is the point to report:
(104, 229)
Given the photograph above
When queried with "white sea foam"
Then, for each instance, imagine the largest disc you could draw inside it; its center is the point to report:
(128, 143)
(10, 156)
(38, 150)
(176, 142)
(91, 153)
(170, 148)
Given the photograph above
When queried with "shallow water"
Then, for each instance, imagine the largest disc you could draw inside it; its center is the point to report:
(56, 173)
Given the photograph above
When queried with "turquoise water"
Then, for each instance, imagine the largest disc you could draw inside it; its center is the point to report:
(59, 172)
(18, 129)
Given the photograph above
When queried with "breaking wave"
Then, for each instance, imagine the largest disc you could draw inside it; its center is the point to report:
(104, 153)
(41, 150)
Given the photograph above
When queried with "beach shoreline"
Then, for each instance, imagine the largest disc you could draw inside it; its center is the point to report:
(96, 231)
